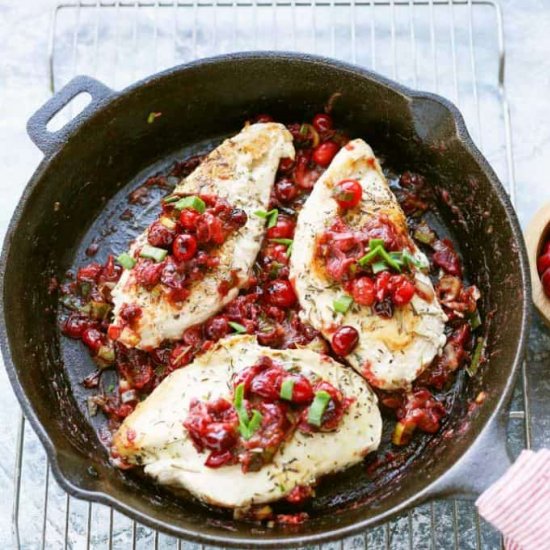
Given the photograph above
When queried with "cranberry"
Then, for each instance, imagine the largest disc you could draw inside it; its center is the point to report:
(382, 285)
(75, 325)
(209, 228)
(148, 273)
(89, 273)
(285, 190)
(216, 328)
(280, 293)
(267, 383)
(184, 247)
(286, 164)
(543, 263)
(188, 219)
(238, 217)
(322, 122)
(111, 272)
(181, 355)
(344, 340)
(302, 392)
(363, 291)
(159, 235)
(92, 338)
(348, 193)
(545, 280)
(130, 313)
(219, 436)
(402, 290)
(324, 153)
(283, 230)
(446, 257)
(217, 459)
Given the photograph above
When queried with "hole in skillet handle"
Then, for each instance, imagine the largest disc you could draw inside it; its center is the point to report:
(38, 125)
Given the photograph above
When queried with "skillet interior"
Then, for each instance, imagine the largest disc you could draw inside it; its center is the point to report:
(81, 191)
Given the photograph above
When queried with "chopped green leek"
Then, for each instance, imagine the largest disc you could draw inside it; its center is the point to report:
(126, 261)
(286, 389)
(375, 243)
(368, 257)
(318, 407)
(237, 327)
(286, 242)
(475, 320)
(388, 259)
(171, 198)
(194, 202)
(254, 423)
(342, 303)
(153, 253)
(272, 216)
(377, 267)
(247, 426)
(476, 358)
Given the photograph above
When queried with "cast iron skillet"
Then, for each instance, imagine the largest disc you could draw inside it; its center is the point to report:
(79, 189)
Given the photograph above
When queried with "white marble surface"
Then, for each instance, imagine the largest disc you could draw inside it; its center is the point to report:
(24, 27)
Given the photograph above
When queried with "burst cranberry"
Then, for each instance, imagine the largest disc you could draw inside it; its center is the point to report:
(344, 340)
(280, 293)
(89, 273)
(217, 328)
(283, 230)
(130, 313)
(285, 190)
(363, 291)
(209, 229)
(92, 338)
(184, 247)
(159, 235)
(543, 263)
(75, 325)
(110, 272)
(286, 164)
(402, 290)
(324, 153)
(181, 355)
(218, 459)
(219, 436)
(322, 122)
(446, 257)
(348, 193)
(267, 383)
(382, 285)
(148, 273)
(188, 219)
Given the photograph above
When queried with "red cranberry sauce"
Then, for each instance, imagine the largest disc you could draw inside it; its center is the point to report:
(280, 398)
(185, 242)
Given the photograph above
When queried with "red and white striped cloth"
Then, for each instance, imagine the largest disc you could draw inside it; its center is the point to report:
(518, 504)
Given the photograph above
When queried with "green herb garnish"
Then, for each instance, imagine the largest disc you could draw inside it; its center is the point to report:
(237, 327)
(126, 261)
(171, 198)
(153, 253)
(247, 426)
(342, 303)
(272, 216)
(318, 407)
(476, 358)
(194, 202)
(286, 389)
(377, 267)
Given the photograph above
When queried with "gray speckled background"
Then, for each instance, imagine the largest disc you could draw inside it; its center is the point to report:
(24, 86)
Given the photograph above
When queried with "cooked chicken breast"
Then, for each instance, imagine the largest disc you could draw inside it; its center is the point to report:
(154, 435)
(241, 170)
(392, 352)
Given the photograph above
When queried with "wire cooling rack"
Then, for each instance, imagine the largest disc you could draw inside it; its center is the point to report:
(455, 48)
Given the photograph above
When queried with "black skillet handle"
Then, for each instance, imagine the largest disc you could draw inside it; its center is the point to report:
(486, 461)
(48, 142)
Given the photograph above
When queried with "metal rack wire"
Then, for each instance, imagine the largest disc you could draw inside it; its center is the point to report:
(451, 47)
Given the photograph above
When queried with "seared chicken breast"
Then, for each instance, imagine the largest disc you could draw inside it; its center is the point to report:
(154, 434)
(241, 171)
(390, 352)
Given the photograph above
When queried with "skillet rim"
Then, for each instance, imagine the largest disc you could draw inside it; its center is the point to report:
(237, 540)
